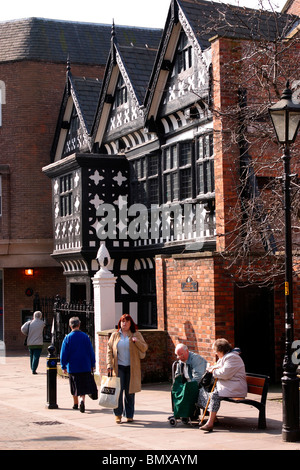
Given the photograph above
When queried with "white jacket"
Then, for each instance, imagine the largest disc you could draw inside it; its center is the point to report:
(231, 375)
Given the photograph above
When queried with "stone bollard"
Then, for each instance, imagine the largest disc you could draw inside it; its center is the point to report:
(51, 378)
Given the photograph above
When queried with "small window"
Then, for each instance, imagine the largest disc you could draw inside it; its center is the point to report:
(66, 197)
(121, 92)
(184, 54)
(72, 142)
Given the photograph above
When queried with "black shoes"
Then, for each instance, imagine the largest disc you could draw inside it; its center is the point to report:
(82, 407)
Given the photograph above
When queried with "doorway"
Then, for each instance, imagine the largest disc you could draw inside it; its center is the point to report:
(78, 293)
(254, 328)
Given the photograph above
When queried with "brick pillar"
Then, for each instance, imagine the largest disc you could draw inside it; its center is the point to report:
(226, 153)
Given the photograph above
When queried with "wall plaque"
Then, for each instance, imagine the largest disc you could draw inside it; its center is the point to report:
(189, 285)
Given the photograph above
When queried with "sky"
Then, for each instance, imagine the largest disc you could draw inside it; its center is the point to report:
(145, 13)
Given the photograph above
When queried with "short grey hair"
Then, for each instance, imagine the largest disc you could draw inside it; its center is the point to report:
(181, 346)
(74, 322)
(38, 314)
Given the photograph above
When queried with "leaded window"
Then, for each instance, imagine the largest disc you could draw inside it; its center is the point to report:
(184, 54)
(121, 96)
(177, 172)
(205, 165)
(66, 198)
(145, 180)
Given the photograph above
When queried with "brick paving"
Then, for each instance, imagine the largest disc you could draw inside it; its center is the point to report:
(26, 422)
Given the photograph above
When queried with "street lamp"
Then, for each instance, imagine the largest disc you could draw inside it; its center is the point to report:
(285, 116)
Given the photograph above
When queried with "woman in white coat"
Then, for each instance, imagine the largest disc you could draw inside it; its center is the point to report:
(231, 380)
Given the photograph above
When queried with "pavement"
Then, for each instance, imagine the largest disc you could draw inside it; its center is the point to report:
(27, 423)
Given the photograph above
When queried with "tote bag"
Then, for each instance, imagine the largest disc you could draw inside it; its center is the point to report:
(109, 391)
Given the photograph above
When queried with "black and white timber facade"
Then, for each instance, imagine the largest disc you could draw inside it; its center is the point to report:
(133, 162)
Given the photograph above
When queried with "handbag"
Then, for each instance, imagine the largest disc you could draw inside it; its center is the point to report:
(94, 394)
(109, 391)
(26, 337)
(206, 379)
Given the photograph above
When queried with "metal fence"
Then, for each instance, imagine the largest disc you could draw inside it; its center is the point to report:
(45, 305)
(62, 312)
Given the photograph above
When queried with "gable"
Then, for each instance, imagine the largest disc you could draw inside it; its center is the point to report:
(188, 80)
(181, 73)
(77, 115)
(124, 110)
(120, 112)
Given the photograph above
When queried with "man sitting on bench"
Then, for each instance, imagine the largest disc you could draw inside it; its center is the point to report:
(231, 380)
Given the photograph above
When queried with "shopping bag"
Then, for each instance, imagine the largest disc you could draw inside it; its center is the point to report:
(94, 394)
(109, 391)
(184, 398)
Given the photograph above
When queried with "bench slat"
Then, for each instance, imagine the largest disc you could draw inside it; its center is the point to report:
(255, 389)
(255, 384)
(260, 381)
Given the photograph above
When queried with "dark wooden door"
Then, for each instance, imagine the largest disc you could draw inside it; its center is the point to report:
(254, 328)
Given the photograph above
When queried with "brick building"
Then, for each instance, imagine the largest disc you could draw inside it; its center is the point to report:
(158, 136)
(33, 63)
(161, 138)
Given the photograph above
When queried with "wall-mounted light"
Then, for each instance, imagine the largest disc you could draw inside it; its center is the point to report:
(29, 272)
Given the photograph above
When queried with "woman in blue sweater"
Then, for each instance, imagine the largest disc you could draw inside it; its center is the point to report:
(77, 358)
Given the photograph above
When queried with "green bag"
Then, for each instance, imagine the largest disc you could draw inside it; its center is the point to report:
(184, 398)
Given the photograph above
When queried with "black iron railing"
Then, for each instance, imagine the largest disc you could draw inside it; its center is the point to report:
(62, 312)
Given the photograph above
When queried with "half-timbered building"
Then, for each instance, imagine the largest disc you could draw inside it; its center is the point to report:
(150, 177)
(34, 53)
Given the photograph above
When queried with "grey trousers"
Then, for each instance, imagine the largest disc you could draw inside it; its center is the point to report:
(214, 403)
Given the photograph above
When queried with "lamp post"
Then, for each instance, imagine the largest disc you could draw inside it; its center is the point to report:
(285, 116)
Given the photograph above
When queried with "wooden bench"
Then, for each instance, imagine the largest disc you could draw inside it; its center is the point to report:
(258, 385)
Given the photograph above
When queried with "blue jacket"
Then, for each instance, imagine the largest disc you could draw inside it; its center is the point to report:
(77, 354)
(196, 366)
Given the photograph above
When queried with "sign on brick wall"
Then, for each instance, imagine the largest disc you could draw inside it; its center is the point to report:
(189, 285)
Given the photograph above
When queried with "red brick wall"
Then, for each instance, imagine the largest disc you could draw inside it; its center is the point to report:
(46, 281)
(225, 154)
(294, 8)
(154, 366)
(198, 318)
(189, 317)
(33, 96)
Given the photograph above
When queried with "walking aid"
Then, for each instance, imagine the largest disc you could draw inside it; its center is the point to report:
(204, 413)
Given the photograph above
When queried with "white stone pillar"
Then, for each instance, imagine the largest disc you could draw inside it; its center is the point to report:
(104, 299)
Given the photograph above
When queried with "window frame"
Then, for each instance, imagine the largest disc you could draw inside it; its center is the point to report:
(121, 93)
(173, 173)
(66, 195)
(205, 179)
(184, 57)
(142, 179)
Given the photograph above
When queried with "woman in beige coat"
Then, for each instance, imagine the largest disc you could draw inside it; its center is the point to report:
(126, 347)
